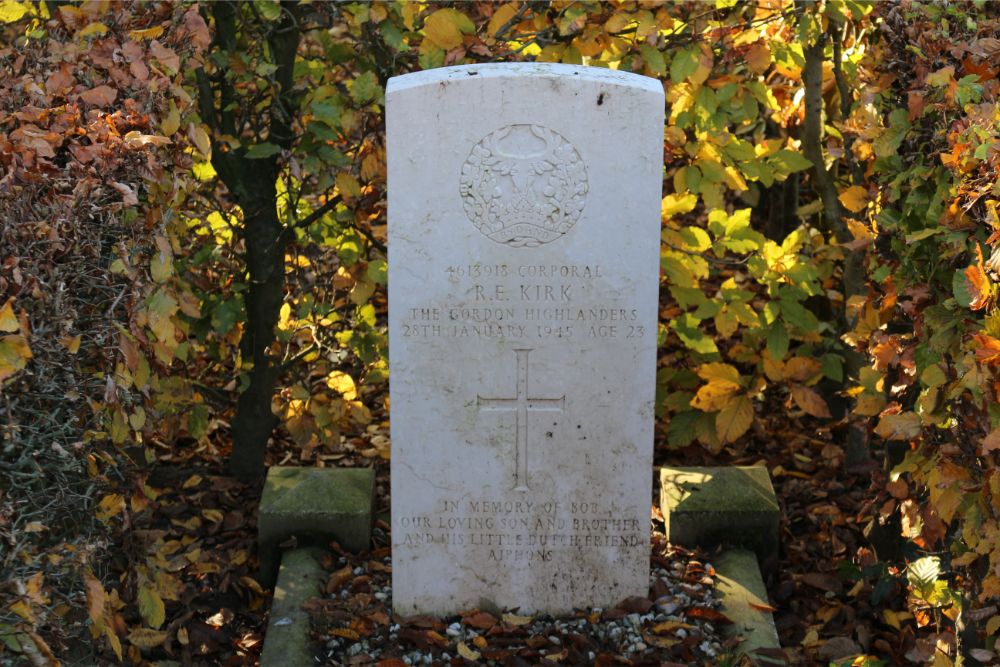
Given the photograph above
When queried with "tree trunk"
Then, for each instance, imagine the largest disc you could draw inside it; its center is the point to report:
(853, 277)
(265, 253)
(253, 183)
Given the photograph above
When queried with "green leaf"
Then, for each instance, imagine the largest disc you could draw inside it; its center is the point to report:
(681, 429)
(933, 376)
(833, 367)
(922, 574)
(264, 150)
(787, 162)
(365, 88)
(960, 288)
(198, 421)
(686, 328)
(777, 341)
(377, 271)
(684, 64)
(270, 10)
(655, 63)
(796, 314)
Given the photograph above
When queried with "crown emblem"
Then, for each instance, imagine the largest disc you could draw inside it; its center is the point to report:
(523, 185)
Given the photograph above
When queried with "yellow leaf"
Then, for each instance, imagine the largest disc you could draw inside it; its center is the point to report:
(810, 401)
(92, 29)
(23, 609)
(201, 140)
(8, 320)
(361, 292)
(715, 395)
(116, 644)
(869, 405)
(734, 419)
(192, 481)
(902, 426)
(71, 343)
(11, 11)
(146, 639)
(445, 26)
(715, 371)
(148, 33)
(467, 653)
(674, 204)
(213, 515)
(774, 369)
(891, 618)
(705, 60)
(941, 77)
(993, 625)
(515, 620)
(151, 605)
(802, 369)
(137, 419)
(172, 121)
(14, 355)
(343, 384)
(348, 185)
(854, 198)
(109, 506)
(500, 17)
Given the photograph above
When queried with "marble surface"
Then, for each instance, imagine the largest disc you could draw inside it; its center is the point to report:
(524, 222)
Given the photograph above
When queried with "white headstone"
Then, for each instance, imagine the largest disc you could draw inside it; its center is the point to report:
(524, 226)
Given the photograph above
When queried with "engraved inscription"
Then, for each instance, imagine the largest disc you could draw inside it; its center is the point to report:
(525, 303)
(521, 405)
(508, 530)
(523, 185)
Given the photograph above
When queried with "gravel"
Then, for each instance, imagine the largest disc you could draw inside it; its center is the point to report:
(676, 623)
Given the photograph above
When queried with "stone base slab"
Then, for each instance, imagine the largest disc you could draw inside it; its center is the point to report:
(314, 506)
(728, 506)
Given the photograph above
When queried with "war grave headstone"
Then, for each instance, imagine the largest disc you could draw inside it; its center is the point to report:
(524, 223)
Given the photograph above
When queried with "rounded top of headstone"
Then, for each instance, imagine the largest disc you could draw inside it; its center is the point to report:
(544, 70)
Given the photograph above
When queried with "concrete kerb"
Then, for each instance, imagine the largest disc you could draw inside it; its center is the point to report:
(744, 602)
(307, 508)
(286, 641)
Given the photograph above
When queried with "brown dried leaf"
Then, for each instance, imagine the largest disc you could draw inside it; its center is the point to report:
(101, 96)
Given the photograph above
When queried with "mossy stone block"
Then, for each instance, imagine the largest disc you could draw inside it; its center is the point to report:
(721, 506)
(314, 506)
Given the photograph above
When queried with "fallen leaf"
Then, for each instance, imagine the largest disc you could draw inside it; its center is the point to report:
(515, 620)
(810, 401)
(146, 638)
(481, 620)
(466, 652)
(8, 320)
(901, 426)
(100, 96)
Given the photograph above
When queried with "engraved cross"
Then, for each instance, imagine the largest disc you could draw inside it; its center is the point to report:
(521, 405)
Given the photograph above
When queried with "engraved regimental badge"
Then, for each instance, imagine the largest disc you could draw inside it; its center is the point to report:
(523, 185)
